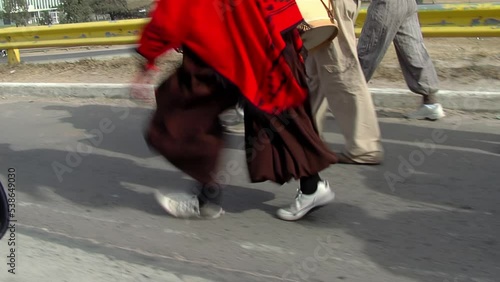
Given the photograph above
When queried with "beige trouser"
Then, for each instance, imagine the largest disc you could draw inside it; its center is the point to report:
(335, 73)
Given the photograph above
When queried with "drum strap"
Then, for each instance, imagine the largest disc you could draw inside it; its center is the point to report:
(329, 11)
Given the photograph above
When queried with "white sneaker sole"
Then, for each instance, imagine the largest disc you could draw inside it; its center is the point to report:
(321, 203)
(437, 116)
(208, 215)
(166, 203)
(237, 129)
(433, 117)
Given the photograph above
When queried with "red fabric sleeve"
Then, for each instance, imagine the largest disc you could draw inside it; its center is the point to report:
(154, 39)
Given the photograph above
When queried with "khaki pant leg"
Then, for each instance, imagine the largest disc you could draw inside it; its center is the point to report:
(335, 74)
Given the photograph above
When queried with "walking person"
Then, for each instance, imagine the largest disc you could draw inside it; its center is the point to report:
(250, 50)
(397, 22)
(334, 73)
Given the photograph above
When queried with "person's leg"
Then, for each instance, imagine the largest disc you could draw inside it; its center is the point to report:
(383, 19)
(285, 147)
(185, 129)
(335, 72)
(417, 67)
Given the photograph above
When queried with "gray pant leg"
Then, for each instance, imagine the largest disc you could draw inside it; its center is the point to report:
(416, 64)
(383, 19)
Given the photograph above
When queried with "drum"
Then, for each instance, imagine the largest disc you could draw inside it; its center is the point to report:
(321, 27)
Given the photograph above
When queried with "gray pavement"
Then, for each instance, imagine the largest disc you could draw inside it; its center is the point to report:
(85, 208)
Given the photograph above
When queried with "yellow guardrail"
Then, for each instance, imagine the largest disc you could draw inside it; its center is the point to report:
(68, 35)
(445, 15)
(451, 20)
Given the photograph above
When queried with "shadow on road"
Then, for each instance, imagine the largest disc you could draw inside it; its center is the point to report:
(448, 227)
(429, 213)
(121, 127)
(107, 182)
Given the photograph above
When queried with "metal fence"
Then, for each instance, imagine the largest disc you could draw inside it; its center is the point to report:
(443, 20)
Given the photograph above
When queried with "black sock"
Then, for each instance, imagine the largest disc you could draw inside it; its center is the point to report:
(210, 193)
(308, 185)
(202, 200)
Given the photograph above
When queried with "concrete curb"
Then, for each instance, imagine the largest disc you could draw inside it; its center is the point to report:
(476, 101)
(67, 90)
(383, 97)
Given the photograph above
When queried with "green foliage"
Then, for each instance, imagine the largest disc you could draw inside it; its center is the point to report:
(16, 11)
(45, 18)
(76, 11)
(114, 8)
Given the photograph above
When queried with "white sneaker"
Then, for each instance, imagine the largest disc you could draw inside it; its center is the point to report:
(238, 128)
(240, 112)
(211, 211)
(305, 203)
(237, 124)
(432, 112)
(189, 207)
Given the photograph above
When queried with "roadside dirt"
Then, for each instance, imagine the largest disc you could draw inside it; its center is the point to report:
(462, 64)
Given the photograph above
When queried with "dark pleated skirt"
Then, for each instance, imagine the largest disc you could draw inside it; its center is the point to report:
(185, 129)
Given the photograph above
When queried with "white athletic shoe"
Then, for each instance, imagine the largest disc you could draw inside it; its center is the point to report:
(432, 112)
(188, 207)
(305, 203)
(236, 124)
(238, 128)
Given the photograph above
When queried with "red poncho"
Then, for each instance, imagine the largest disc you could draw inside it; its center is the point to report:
(240, 39)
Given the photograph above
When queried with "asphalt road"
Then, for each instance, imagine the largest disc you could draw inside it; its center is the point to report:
(71, 55)
(429, 213)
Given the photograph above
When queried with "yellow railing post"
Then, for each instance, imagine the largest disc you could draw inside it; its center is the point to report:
(13, 56)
